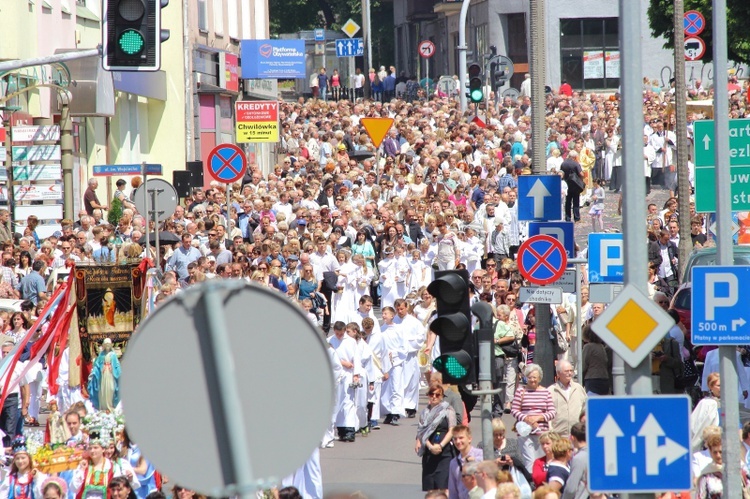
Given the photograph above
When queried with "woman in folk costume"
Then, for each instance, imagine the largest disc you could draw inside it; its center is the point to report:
(23, 481)
(343, 301)
(92, 477)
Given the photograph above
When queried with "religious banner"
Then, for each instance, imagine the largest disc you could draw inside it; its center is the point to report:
(109, 305)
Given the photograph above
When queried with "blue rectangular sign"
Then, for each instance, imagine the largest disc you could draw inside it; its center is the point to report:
(539, 197)
(562, 231)
(320, 34)
(719, 305)
(280, 59)
(638, 444)
(135, 169)
(350, 47)
(606, 258)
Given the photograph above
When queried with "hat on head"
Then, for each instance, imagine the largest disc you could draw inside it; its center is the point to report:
(19, 444)
(301, 222)
(211, 258)
(293, 258)
(341, 147)
(57, 234)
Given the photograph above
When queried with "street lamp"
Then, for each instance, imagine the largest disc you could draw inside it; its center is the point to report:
(7, 115)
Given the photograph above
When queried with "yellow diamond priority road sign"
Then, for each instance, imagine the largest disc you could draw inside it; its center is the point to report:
(632, 325)
(350, 28)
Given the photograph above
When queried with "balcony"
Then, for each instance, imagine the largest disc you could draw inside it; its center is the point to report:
(447, 7)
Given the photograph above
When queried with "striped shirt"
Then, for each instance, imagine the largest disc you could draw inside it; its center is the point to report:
(533, 403)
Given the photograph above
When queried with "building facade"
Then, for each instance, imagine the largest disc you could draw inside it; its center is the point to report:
(581, 39)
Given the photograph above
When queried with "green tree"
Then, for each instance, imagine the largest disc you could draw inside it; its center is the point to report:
(115, 212)
(290, 16)
(660, 17)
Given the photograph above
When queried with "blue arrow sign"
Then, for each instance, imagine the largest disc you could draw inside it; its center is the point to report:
(539, 197)
(350, 47)
(719, 305)
(606, 258)
(638, 444)
(562, 231)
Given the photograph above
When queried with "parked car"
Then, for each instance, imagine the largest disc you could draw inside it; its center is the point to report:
(681, 303)
(707, 256)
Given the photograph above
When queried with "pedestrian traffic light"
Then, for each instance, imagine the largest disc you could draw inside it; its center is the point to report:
(453, 326)
(132, 35)
(476, 93)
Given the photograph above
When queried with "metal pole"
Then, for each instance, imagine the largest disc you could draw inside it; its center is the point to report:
(680, 130)
(368, 36)
(462, 54)
(146, 216)
(544, 351)
(9, 168)
(427, 77)
(228, 392)
(66, 150)
(637, 379)
(579, 336)
(485, 340)
(727, 354)
(155, 208)
(51, 59)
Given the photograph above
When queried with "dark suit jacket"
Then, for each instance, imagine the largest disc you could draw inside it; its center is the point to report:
(434, 191)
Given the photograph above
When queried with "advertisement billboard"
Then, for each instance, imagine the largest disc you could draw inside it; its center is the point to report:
(281, 59)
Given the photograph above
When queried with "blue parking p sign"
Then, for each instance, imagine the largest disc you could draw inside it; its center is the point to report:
(606, 258)
(719, 305)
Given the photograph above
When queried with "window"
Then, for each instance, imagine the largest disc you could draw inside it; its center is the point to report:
(202, 16)
(482, 42)
(219, 17)
(589, 53)
(233, 28)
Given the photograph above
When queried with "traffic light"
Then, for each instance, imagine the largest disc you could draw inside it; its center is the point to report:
(476, 93)
(453, 326)
(498, 75)
(132, 35)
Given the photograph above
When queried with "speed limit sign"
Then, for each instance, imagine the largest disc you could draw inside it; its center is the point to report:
(426, 49)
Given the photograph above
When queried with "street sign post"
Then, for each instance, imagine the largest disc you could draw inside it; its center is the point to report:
(320, 34)
(632, 325)
(562, 231)
(542, 259)
(227, 163)
(227, 368)
(539, 197)
(705, 165)
(350, 28)
(695, 48)
(638, 444)
(426, 49)
(606, 258)
(544, 294)
(567, 281)
(719, 306)
(350, 47)
(604, 292)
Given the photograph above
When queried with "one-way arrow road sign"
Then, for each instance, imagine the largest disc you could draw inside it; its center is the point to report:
(539, 197)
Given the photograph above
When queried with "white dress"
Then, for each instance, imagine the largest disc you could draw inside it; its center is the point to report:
(345, 302)
(389, 291)
(413, 338)
(418, 275)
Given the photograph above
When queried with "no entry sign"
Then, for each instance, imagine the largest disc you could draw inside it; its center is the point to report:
(542, 259)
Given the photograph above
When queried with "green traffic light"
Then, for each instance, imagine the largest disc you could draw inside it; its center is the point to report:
(131, 42)
(455, 366)
(477, 95)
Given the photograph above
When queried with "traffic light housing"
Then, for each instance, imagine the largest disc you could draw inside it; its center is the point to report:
(476, 92)
(498, 76)
(453, 326)
(132, 35)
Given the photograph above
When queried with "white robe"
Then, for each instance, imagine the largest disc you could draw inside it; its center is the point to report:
(389, 291)
(381, 364)
(308, 479)
(345, 301)
(392, 394)
(413, 338)
(346, 348)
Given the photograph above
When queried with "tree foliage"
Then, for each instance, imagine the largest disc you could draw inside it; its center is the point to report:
(661, 12)
(290, 16)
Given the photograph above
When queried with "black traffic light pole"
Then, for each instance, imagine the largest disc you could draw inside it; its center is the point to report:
(485, 337)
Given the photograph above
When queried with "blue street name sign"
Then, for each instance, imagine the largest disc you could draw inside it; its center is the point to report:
(134, 169)
(606, 258)
(539, 197)
(562, 231)
(719, 305)
(350, 47)
(638, 444)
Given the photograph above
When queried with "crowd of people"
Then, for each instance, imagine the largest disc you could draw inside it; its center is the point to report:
(344, 236)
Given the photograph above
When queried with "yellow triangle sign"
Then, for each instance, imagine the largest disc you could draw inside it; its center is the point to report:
(377, 128)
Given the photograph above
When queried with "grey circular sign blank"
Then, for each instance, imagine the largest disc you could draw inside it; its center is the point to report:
(166, 198)
(282, 368)
(511, 92)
